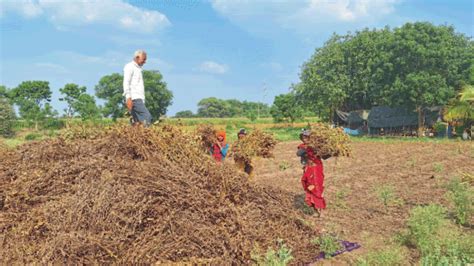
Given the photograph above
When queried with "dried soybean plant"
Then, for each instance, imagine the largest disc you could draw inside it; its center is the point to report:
(207, 135)
(257, 143)
(138, 196)
(327, 141)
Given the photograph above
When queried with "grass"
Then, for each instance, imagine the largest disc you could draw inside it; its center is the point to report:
(340, 198)
(390, 139)
(461, 196)
(388, 256)
(438, 167)
(437, 239)
(386, 194)
(280, 257)
(281, 131)
(328, 243)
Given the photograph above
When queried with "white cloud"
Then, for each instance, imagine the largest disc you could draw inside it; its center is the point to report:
(305, 16)
(64, 14)
(213, 67)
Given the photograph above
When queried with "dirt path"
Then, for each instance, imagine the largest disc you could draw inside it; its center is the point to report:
(416, 171)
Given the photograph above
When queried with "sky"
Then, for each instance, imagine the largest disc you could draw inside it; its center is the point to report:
(230, 49)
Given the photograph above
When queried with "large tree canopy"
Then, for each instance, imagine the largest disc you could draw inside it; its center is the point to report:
(417, 65)
(33, 99)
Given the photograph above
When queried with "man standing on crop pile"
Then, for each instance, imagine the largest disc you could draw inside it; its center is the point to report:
(134, 89)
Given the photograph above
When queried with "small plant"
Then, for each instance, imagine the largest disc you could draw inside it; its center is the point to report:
(340, 198)
(284, 165)
(438, 167)
(461, 196)
(389, 256)
(328, 243)
(281, 257)
(33, 136)
(387, 195)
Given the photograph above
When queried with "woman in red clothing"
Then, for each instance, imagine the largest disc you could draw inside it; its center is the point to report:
(313, 176)
(220, 148)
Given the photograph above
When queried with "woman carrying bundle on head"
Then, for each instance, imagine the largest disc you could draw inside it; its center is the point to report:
(313, 175)
(220, 148)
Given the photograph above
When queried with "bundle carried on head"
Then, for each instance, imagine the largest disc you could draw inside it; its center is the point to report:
(328, 142)
(257, 143)
(207, 134)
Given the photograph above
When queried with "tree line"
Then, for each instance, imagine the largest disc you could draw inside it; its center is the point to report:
(33, 98)
(415, 66)
(214, 107)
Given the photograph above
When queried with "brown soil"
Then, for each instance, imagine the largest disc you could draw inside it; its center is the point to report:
(417, 171)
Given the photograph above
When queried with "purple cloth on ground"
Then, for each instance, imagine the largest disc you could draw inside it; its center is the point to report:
(348, 246)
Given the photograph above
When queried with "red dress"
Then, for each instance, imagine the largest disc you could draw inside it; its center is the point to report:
(313, 175)
(216, 152)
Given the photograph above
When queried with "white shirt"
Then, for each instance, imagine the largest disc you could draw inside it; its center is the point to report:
(133, 86)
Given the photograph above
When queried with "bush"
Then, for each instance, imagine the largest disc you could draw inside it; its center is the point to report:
(281, 257)
(389, 256)
(328, 244)
(461, 196)
(438, 241)
(33, 136)
(7, 118)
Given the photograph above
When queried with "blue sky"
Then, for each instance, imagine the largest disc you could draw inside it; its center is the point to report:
(248, 50)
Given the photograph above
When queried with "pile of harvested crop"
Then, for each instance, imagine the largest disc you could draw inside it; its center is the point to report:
(136, 195)
(327, 141)
(257, 143)
(207, 135)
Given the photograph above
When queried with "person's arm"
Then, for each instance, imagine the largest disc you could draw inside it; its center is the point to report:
(304, 183)
(224, 150)
(301, 152)
(127, 79)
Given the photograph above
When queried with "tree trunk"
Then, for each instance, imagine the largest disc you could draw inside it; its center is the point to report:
(36, 125)
(420, 121)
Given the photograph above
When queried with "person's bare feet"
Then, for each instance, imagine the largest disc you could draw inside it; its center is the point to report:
(317, 213)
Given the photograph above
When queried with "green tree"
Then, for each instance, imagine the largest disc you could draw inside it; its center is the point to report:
(71, 93)
(110, 88)
(324, 80)
(255, 108)
(430, 63)
(184, 114)
(417, 65)
(285, 107)
(213, 107)
(157, 96)
(7, 117)
(235, 108)
(33, 99)
(86, 107)
(3, 91)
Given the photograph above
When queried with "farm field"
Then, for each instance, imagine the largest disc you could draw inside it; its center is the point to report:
(415, 173)
(369, 195)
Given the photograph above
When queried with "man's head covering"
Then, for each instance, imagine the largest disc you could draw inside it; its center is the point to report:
(305, 133)
(242, 131)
